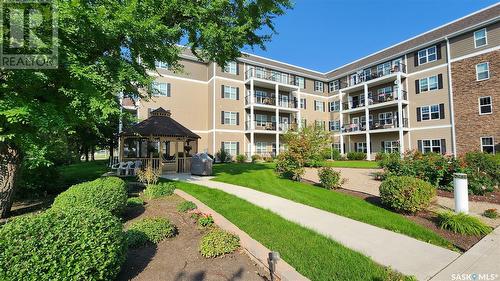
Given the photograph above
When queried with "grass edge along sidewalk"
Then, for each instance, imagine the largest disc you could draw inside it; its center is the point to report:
(313, 255)
(261, 177)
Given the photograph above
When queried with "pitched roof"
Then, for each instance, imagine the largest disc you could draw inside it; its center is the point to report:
(160, 123)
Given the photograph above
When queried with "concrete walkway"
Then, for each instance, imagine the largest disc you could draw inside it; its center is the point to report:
(481, 262)
(400, 252)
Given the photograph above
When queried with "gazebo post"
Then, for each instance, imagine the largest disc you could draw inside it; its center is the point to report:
(120, 149)
(149, 152)
(160, 149)
(177, 155)
(184, 155)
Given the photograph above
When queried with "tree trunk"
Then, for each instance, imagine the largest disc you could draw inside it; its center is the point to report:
(86, 149)
(92, 152)
(111, 151)
(9, 160)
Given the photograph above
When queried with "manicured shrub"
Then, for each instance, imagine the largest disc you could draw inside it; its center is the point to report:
(205, 220)
(483, 171)
(62, 244)
(108, 193)
(256, 158)
(462, 223)
(136, 238)
(406, 194)
(491, 213)
(161, 189)
(329, 178)
(356, 155)
(218, 242)
(155, 229)
(290, 165)
(186, 206)
(222, 156)
(241, 158)
(135, 201)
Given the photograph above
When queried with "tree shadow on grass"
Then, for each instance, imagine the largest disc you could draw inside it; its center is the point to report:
(137, 260)
(239, 168)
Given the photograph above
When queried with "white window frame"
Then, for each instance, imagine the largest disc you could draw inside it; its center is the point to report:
(261, 120)
(487, 71)
(426, 54)
(334, 85)
(261, 147)
(230, 118)
(384, 69)
(231, 67)
(485, 38)
(391, 146)
(302, 103)
(492, 145)
(490, 105)
(319, 124)
(334, 125)
(229, 146)
(425, 84)
(300, 81)
(430, 109)
(160, 92)
(363, 146)
(431, 146)
(230, 92)
(318, 86)
(318, 106)
(335, 106)
(387, 117)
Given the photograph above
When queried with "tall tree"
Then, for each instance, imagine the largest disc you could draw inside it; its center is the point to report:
(106, 47)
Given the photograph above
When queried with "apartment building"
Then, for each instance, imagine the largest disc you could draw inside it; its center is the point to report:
(436, 92)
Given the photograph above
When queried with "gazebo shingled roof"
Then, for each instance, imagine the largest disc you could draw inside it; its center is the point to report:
(159, 123)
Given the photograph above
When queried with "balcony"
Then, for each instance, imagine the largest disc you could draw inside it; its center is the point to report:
(270, 126)
(270, 101)
(271, 75)
(375, 124)
(379, 99)
(365, 77)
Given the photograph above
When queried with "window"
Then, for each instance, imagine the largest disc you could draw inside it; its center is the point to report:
(487, 145)
(384, 69)
(427, 55)
(161, 89)
(430, 112)
(431, 146)
(231, 147)
(335, 106)
(319, 124)
(390, 146)
(360, 147)
(161, 64)
(334, 85)
(230, 118)
(482, 71)
(261, 147)
(318, 86)
(480, 38)
(485, 105)
(385, 118)
(260, 120)
(336, 146)
(301, 82)
(303, 122)
(230, 92)
(231, 67)
(334, 125)
(319, 106)
(428, 83)
(303, 103)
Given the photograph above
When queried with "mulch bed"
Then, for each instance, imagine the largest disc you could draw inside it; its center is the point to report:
(424, 218)
(178, 258)
(491, 197)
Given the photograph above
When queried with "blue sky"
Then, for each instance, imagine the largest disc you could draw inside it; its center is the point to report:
(324, 34)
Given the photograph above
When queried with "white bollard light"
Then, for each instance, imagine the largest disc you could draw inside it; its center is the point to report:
(461, 193)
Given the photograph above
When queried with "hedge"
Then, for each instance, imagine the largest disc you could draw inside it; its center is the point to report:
(108, 193)
(406, 194)
(62, 244)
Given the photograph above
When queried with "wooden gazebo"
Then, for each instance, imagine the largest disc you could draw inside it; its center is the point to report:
(159, 141)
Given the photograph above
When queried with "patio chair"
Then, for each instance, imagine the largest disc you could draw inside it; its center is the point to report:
(116, 167)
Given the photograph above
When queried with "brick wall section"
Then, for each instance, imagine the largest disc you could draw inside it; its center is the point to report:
(469, 125)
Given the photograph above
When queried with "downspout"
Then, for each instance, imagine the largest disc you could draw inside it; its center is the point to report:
(450, 94)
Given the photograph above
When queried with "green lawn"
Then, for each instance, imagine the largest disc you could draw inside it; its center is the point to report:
(83, 171)
(351, 164)
(261, 177)
(313, 255)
